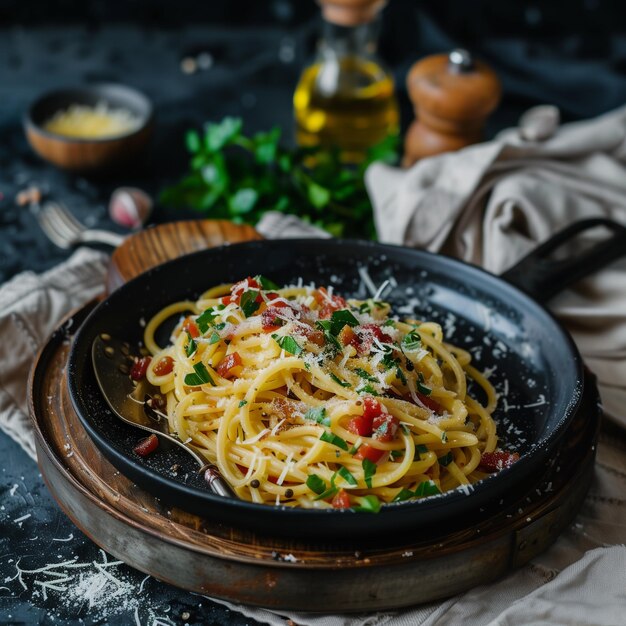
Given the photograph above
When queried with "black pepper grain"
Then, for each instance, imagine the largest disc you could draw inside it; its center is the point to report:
(255, 484)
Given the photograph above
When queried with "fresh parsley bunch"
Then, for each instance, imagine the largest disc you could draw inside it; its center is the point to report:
(239, 178)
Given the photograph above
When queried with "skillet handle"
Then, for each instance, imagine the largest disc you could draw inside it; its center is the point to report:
(543, 277)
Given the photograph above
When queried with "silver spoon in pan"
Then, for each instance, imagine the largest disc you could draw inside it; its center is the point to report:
(135, 402)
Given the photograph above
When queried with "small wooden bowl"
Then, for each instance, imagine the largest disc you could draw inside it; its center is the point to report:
(89, 155)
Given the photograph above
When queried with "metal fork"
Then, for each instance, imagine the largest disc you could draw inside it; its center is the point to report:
(65, 231)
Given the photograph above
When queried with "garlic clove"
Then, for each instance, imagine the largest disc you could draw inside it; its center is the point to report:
(130, 207)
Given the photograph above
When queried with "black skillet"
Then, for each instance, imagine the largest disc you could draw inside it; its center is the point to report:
(534, 363)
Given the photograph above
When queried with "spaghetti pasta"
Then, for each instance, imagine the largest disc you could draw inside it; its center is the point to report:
(302, 398)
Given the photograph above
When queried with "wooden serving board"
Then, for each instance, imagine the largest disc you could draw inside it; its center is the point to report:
(187, 551)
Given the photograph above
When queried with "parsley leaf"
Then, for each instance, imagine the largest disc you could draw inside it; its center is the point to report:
(316, 484)
(445, 460)
(200, 377)
(367, 389)
(318, 414)
(341, 318)
(333, 439)
(243, 403)
(338, 380)
(427, 488)
(421, 387)
(404, 494)
(347, 476)
(206, 319)
(266, 283)
(191, 345)
(369, 469)
(412, 341)
(288, 344)
(365, 374)
(401, 377)
(367, 504)
(214, 338)
(248, 302)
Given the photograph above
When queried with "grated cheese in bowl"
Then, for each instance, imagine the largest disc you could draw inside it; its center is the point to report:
(92, 122)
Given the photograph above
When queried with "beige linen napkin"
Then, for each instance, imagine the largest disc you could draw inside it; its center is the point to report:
(491, 203)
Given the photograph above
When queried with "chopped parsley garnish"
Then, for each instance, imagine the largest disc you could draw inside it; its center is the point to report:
(191, 345)
(367, 389)
(220, 326)
(333, 439)
(400, 376)
(318, 414)
(201, 376)
(338, 380)
(367, 504)
(354, 449)
(389, 360)
(404, 494)
(205, 319)
(288, 344)
(421, 387)
(421, 449)
(214, 338)
(248, 302)
(445, 460)
(326, 327)
(266, 283)
(243, 403)
(332, 341)
(369, 469)
(339, 319)
(316, 484)
(396, 454)
(412, 341)
(365, 375)
(346, 475)
(364, 307)
(427, 488)
(390, 322)
(444, 437)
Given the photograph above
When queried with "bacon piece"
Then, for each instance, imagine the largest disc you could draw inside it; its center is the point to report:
(328, 304)
(370, 453)
(191, 327)
(164, 366)
(140, 367)
(498, 460)
(226, 365)
(147, 446)
(385, 427)
(341, 500)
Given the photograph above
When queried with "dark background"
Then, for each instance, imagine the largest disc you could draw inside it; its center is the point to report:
(572, 54)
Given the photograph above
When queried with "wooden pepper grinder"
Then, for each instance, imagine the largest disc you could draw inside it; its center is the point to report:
(452, 96)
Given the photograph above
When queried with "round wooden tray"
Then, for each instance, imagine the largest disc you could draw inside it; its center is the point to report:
(187, 551)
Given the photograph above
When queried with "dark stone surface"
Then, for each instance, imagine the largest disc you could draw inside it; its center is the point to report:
(571, 54)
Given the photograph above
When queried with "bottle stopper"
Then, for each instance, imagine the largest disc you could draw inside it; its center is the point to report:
(452, 95)
(351, 12)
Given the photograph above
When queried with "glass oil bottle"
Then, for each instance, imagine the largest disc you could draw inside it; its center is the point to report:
(345, 99)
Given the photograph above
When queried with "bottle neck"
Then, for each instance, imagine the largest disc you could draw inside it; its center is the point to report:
(349, 41)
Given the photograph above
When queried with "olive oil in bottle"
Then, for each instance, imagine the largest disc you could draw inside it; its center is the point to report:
(346, 98)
